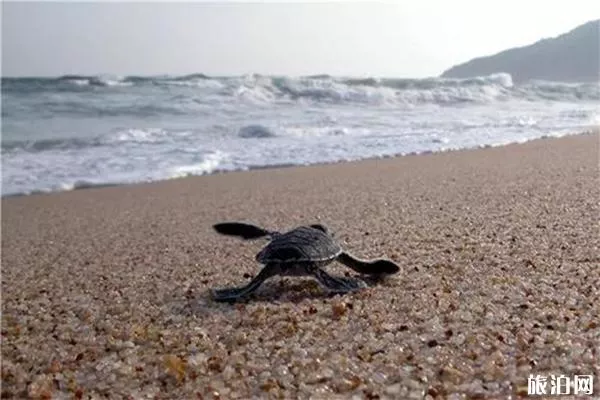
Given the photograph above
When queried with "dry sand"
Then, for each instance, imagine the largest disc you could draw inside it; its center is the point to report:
(104, 291)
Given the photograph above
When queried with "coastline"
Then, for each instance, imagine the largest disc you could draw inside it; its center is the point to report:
(88, 185)
(104, 290)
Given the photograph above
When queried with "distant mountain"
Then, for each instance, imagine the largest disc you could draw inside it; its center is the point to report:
(570, 57)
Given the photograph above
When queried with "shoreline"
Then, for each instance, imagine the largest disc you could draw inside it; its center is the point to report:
(86, 185)
(105, 292)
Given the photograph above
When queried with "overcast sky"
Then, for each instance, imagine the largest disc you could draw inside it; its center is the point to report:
(401, 39)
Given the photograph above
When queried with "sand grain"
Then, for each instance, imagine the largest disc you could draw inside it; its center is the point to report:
(104, 290)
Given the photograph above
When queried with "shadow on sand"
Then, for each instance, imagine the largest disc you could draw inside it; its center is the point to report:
(282, 291)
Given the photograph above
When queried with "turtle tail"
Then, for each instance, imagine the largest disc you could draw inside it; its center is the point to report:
(245, 231)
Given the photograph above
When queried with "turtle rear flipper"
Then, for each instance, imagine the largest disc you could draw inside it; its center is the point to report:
(338, 284)
(374, 267)
(240, 229)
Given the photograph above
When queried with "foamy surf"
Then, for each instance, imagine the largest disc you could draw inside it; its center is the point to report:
(77, 131)
(208, 165)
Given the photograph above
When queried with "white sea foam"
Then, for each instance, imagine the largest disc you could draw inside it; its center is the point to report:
(208, 165)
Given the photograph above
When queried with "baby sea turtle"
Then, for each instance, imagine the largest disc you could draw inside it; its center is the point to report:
(303, 251)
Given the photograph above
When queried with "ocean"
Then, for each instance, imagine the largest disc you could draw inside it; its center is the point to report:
(83, 131)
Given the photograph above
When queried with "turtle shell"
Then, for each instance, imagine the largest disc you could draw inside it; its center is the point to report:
(303, 244)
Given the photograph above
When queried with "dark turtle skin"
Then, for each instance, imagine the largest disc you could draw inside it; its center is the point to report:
(303, 251)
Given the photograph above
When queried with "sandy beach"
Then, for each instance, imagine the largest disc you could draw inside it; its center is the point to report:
(105, 291)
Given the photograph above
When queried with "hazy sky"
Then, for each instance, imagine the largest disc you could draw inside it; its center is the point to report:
(404, 38)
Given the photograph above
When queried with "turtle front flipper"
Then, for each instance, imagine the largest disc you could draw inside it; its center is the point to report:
(245, 231)
(235, 293)
(374, 267)
(338, 284)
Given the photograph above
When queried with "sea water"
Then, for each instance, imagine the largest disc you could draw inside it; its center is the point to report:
(82, 131)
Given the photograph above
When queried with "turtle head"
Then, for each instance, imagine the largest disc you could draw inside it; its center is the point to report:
(320, 227)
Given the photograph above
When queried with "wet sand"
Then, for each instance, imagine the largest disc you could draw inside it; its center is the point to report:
(104, 291)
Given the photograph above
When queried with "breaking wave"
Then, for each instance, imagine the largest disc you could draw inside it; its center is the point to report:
(322, 88)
